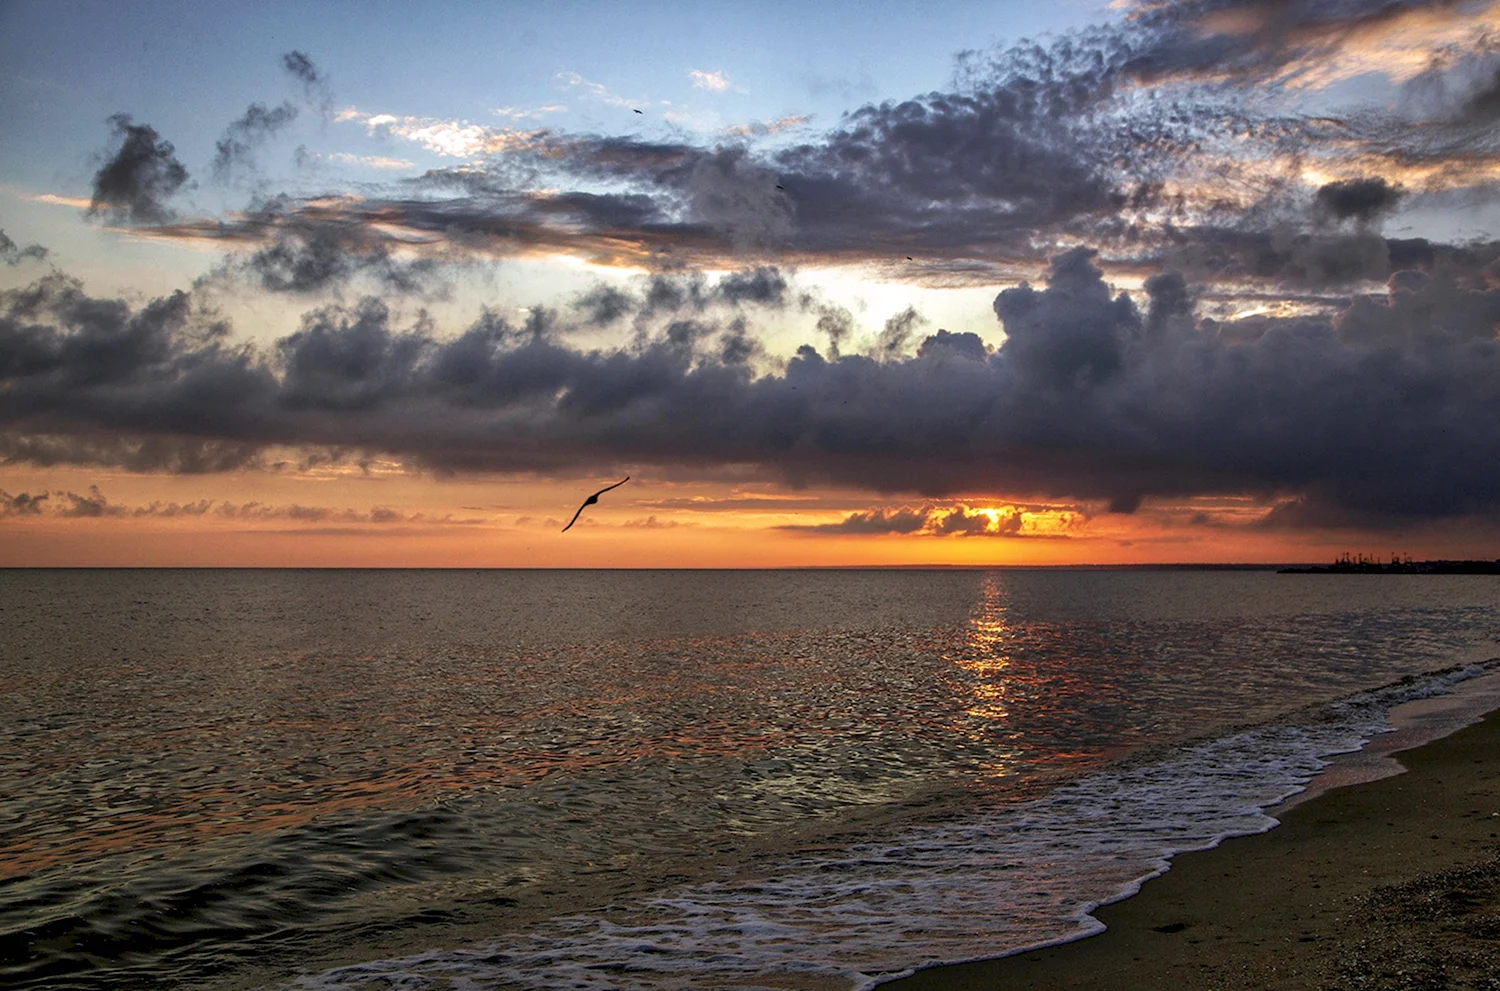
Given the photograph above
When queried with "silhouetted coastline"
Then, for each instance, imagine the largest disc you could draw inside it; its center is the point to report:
(1362, 565)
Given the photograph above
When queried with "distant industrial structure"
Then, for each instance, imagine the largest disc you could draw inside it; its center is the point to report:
(1360, 564)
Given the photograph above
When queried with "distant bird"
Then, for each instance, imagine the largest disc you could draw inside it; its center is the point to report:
(638, 111)
(782, 188)
(592, 500)
(908, 257)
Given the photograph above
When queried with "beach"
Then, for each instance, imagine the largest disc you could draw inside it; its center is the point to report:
(1393, 883)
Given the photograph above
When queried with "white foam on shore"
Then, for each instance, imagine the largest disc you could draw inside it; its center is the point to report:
(1412, 724)
(994, 881)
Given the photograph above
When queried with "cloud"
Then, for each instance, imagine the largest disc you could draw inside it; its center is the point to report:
(314, 248)
(1310, 43)
(138, 177)
(450, 138)
(1384, 410)
(92, 506)
(926, 521)
(525, 113)
(248, 132)
(1363, 200)
(299, 64)
(1179, 137)
(311, 257)
(901, 520)
(13, 254)
(675, 294)
(739, 199)
(315, 85)
(598, 91)
(743, 502)
(23, 504)
(1073, 333)
(715, 82)
(372, 161)
(897, 332)
(653, 523)
(95, 505)
(761, 129)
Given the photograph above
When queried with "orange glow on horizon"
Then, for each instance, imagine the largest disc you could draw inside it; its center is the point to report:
(332, 517)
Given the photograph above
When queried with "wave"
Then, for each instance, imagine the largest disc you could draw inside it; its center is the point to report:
(992, 880)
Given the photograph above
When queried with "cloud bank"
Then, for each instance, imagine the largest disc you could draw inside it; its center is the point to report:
(1384, 410)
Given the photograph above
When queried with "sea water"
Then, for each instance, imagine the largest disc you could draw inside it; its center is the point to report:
(636, 779)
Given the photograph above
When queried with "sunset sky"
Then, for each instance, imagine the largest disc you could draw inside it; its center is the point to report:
(354, 284)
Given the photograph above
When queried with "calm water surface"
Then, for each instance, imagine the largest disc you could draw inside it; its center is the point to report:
(368, 779)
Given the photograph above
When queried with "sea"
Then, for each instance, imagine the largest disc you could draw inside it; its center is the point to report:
(628, 780)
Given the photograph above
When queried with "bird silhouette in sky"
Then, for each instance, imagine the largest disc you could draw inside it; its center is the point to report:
(591, 500)
(640, 111)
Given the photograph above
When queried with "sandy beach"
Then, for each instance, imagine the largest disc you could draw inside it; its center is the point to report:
(1392, 884)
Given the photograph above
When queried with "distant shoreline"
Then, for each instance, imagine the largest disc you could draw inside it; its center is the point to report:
(1398, 568)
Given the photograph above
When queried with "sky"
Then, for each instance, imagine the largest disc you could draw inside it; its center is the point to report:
(399, 285)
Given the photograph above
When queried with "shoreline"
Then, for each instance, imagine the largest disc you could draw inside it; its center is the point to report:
(1374, 878)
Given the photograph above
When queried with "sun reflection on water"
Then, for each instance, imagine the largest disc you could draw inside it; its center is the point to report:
(987, 658)
(987, 678)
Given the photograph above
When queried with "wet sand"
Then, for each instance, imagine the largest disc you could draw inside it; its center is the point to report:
(1388, 884)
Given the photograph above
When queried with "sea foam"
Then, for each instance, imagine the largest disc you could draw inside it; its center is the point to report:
(992, 880)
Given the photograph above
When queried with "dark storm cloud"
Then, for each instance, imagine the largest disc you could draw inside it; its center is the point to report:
(1385, 411)
(300, 65)
(106, 448)
(667, 293)
(1358, 199)
(606, 228)
(965, 344)
(903, 520)
(1259, 41)
(301, 248)
(247, 133)
(763, 285)
(604, 305)
(898, 332)
(1073, 333)
(1483, 103)
(310, 257)
(739, 199)
(140, 175)
(13, 254)
(1290, 260)
(1171, 303)
(314, 84)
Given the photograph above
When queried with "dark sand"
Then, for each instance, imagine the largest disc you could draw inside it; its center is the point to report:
(1389, 884)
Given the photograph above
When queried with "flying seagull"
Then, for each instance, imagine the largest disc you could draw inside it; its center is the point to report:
(640, 111)
(591, 500)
